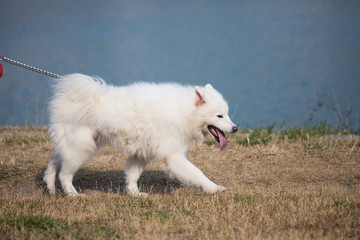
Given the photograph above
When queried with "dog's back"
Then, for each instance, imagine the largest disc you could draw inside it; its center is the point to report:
(129, 117)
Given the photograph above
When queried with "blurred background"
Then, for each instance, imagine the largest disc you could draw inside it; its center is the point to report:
(294, 62)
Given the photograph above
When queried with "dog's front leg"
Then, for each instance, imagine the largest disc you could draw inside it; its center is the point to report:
(180, 167)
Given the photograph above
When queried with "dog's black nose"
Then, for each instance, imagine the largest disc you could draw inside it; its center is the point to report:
(234, 129)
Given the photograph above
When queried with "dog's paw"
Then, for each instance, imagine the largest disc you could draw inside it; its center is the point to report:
(51, 190)
(143, 195)
(221, 188)
(136, 193)
(70, 195)
(213, 189)
(139, 194)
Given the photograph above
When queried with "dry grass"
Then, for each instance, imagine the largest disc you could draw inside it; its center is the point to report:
(305, 188)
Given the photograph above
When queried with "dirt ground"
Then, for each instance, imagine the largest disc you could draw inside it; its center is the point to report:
(284, 189)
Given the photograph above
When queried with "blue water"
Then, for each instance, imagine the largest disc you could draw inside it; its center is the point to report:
(270, 59)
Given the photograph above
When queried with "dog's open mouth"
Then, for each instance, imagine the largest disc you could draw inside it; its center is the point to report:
(219, 136)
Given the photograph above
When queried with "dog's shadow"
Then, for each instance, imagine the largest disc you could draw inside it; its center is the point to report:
(153, 181)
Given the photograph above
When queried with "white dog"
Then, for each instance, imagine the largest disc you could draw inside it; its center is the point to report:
(146, 121)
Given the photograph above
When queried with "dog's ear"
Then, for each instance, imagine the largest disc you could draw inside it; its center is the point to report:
(209, 86)
(198, 98)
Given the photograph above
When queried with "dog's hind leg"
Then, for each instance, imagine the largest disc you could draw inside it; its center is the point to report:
(77, 150)
(50, 172)
(133, 169)
(181, 168)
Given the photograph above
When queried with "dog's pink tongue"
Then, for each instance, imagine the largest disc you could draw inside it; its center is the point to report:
(223, 141)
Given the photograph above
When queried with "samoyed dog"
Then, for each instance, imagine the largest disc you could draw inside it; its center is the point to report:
(146, 121)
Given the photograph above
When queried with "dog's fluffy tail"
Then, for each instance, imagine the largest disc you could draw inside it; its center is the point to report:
(74, 97)
(73, 104)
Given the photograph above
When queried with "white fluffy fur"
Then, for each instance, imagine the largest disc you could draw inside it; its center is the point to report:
(147, 121)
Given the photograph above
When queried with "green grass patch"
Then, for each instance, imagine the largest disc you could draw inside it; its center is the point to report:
(339, 203)
(266, 134)
(30, 223)
(256, 136)
(48, 228)
(305, 132)
(18, 140)
(147, 215)
(209, 142)
(249, 199)
(9, 172)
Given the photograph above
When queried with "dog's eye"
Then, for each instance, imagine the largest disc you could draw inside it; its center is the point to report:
(220, 116)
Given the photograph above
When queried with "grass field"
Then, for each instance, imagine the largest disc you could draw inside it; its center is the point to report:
(293, 184)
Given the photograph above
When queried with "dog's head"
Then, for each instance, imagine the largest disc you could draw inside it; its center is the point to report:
(213, 111)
